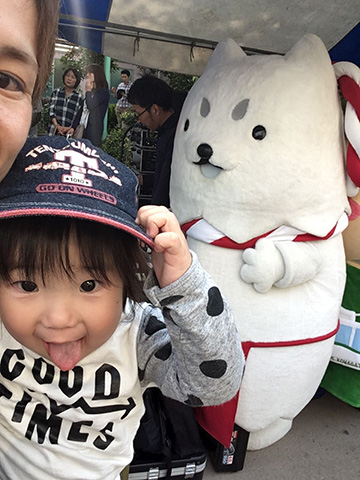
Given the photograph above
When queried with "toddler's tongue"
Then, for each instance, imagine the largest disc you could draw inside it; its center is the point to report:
(65, 355)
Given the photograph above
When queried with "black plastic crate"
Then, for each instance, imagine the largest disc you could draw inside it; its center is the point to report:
(150, 468)
(227, 459)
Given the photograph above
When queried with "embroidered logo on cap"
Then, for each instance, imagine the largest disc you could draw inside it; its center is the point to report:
(82, 164)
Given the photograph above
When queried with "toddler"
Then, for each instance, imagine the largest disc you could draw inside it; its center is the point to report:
(81, 333)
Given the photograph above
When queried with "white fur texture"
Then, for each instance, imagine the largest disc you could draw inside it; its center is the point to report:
(279, 291)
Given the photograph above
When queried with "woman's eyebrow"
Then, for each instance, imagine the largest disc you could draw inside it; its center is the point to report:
(19, 55)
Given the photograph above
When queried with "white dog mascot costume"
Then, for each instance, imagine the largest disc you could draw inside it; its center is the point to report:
(259, 184)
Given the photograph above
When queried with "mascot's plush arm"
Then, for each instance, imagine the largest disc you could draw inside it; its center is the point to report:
(283, 264)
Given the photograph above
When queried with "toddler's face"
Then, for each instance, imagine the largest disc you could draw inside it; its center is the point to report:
(65, 319)
(18, 72)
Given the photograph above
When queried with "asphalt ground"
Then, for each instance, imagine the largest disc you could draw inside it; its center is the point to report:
(323, 444)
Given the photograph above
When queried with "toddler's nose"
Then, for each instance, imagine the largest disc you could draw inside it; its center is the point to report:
(59, 314)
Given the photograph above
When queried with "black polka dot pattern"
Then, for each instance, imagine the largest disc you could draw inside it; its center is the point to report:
(213, 368)
(215, 304)
(167, 315)
(193, 401)
(153, 326)
(164, 352)
(141, 374)
(170, 300)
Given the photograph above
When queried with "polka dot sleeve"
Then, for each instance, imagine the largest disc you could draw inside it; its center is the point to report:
(188, 343)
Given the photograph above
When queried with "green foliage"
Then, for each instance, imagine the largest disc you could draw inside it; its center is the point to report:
(115, 142)
(179, 81)
(112, 145)
(43, 125)
(80, 58)
(112, 120)
(128, 118)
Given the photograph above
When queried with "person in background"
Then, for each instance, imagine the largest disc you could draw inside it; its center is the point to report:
(28, 30)
(152, 100)
(36, 119)
(79, 340)
(97, 98)
(121, 93)
(65, 103)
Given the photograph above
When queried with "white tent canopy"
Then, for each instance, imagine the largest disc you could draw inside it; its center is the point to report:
(180, 35)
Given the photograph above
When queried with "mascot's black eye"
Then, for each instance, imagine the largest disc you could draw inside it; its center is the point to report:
(186, 126)
(259, 132)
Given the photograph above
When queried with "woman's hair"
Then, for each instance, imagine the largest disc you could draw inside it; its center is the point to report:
(47, 27)
(41, 246)
(99, 75)
(75, 72)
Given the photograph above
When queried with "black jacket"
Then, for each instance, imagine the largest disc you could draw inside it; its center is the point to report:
(164, 151)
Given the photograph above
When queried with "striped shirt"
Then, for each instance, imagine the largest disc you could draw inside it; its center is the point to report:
(64, 108)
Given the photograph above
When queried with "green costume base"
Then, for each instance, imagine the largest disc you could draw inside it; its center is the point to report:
(341, 381)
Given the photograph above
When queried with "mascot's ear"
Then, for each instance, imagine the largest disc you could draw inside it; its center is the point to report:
(309, 50)
(225, 52)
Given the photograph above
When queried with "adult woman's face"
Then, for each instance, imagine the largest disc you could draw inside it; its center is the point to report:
(18, 72)
(70, 79)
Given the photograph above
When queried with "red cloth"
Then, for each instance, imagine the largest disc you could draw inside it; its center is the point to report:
(219, 420)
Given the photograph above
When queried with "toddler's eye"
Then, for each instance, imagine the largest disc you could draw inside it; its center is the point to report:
(89, 285)
(8, 82)
(26, 286)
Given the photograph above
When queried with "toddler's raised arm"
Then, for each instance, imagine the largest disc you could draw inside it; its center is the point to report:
(171, 257)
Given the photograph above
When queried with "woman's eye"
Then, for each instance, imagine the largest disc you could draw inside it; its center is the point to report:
(26, 286)
(89, 285)
(8, 82)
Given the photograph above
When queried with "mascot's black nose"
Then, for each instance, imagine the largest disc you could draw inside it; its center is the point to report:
(204, 151)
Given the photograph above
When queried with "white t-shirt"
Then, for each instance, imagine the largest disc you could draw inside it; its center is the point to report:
(84, 419)
(81, 424)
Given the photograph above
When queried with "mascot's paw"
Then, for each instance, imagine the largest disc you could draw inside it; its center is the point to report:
(269, 435)
(263, 265)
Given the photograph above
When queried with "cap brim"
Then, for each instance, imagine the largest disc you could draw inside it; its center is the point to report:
(126, 225)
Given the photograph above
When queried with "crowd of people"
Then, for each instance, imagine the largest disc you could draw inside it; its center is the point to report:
(68, 108)
(155, 105)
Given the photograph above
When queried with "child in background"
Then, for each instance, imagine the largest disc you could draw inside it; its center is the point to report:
(78, 342)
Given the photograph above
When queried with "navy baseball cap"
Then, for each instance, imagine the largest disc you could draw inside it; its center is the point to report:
(64, 177)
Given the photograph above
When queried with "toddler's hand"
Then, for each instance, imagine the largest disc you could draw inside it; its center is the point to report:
(171, 257)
